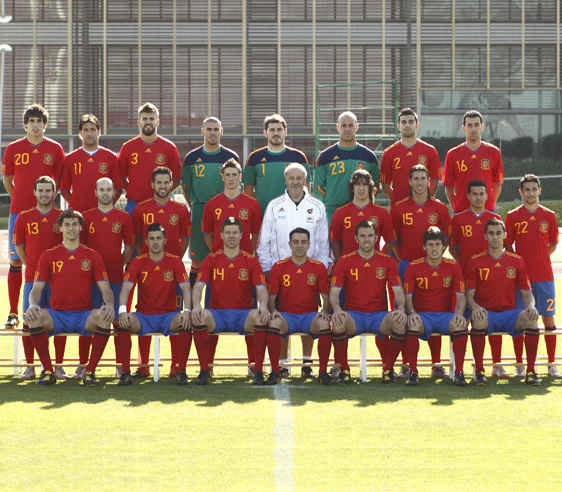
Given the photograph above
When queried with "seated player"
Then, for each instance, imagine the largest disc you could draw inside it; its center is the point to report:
(232, 274)
(435, 302)
(70, 269)
(364, 276)
(493, 278)
(156, 274)
(297, 286)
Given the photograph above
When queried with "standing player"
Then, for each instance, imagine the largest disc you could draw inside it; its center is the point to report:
(201, 182)
(365, 275)
(298, 303)
(157, 274)
(231, 274)
(84, 166)
(533, 230)
(139, 156)
(36, 231)
(175, 219)
(70, 269)
(473, 159)
(263, 173)
(25, 160)
(361, 207)
(109, 231)
(401, 156)
(336, 164)
(493, 278)
(411, 218)
(295, 208)
(435, 302)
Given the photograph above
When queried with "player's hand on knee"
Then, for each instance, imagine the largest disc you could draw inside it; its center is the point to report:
(197, 315)
(399, 317)
(459, 322)
(263, 315)
(124, 322)
(338, 322)
(414, 320)
(185, 321)
(479, 314)
(107, 313)
(532, 313)
(32, 314)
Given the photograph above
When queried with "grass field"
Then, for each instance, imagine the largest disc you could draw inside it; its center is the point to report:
(296, 436)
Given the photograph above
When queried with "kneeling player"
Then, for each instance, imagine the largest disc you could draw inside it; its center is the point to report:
(231, 275)
(70, 269)
(296, 284)
(364, 276)
(434, 289)
(493, 278)
(157, 274)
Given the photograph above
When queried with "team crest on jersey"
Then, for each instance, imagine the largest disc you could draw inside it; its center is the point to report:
(432, 219)
(174, 219)
(168, 275)
(311, 279)
(48, 159)
(243, 214)
(243, 274)
(360, 165)
(116, 227)
(447, 281)
(85, 265)
(422, 159)
(160, 159)
(510, 272)
(380, 273)
(543, 227)
(485, 164)
(103, 167)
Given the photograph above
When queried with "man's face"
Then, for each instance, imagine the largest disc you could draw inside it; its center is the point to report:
(473, 128)
(366, 238)
(495, 236)
(347, 128)
(477, 197)
(434, 249)
(104, 193)
(361, 190)
(148, 123)
(70, 229)
(275, 134)
(295, 181)
(231, 178)
(231, 236)
(530, 193)
(44, 194)
(162, 185)
(211, 132)
(407, 126)
(155, 241)
(299, 244)
(35, 128)
(90, 135)
(419, 182)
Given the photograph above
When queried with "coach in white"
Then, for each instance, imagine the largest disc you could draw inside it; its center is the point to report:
(294, 208)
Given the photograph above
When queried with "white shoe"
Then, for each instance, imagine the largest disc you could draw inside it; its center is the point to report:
(335, 371)
(519, 370)
(79, 372)
(499, 372)
(553, 371)
(28, 374)
(60, 374)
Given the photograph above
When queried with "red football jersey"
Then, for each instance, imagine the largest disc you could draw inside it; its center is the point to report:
(107, 233)
(36, 232)
(231, 279)
(346, 218)
(463, 165)
(411, 220)
(365, 281)
(173, 216)
(244, 208)
(138, 159)
(156, 281)
(71, 275)
(397, 160)
(27, 162)
(298, 287)
(532, 234)
(496, 281)
(434, 289)
(80, 172)
(467, 233)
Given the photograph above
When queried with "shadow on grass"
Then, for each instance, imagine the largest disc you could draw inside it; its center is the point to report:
(239, 390)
